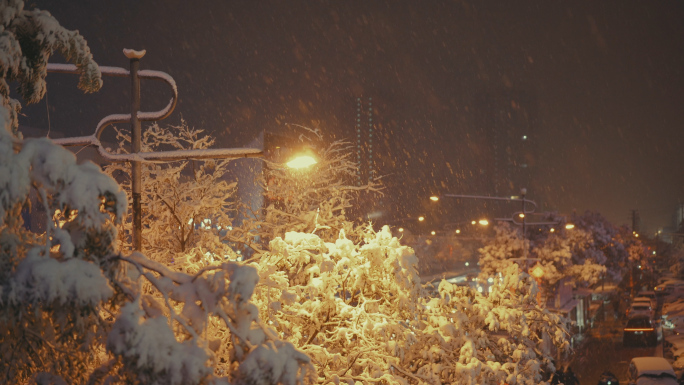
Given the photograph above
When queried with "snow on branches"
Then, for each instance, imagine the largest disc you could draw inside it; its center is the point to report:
(28, 40)
(360, 312)
(186, 204)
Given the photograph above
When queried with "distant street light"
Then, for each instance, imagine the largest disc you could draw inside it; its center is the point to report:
(483, 222)
(569, 226)
(538, 271)
(421, 218)
(434, 198)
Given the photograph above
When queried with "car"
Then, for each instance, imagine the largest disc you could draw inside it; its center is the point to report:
(673, 347)
(668, 286)
(649, 294)
(651, 371)
(640, 330)
(652, 302)
(638, 309)
(608, 378)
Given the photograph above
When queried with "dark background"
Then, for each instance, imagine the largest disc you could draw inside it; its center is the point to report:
(603, 80)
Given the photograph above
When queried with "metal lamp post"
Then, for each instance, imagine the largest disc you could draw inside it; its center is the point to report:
(136, 157)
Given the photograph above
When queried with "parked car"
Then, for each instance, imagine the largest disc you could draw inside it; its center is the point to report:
(639, 309)
(668, 286)
(649, 294)
(651, 371)
(652, 302)
(673, 347)
(640, 330)
(608, 378)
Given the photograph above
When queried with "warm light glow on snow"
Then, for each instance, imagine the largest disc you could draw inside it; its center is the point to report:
(301, 162)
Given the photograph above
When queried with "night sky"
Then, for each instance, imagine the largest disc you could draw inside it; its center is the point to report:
(605, 77)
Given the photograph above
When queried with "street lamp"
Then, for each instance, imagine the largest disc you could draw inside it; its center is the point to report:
(302, 161)
(538, 272)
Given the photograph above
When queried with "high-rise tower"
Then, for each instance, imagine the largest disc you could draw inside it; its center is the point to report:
(365, 171)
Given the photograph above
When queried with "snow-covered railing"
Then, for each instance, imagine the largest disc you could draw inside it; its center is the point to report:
(136, 156)
(94, 140)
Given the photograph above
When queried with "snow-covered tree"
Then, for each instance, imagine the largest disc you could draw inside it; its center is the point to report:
(27, 40)
(618, 245)
(186, 205)
(72, 308)
(568, 253)
(359, 311)
(502, 251)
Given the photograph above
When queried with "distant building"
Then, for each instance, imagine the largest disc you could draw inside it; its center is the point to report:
(364, 133)
(368, 206)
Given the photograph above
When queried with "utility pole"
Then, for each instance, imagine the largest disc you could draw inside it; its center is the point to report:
(136, 166)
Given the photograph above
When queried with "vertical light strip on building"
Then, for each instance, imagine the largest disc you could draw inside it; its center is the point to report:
(370, 140)
(358, 141)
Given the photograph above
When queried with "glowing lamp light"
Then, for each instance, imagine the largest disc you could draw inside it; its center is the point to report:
(421, 218)
(479, 288)
(537, 272)
(467, 263)
(401, 229)
(434, 198)
(552, 230)
(483, 222)
(300, 162)
(521, 215)
(569, 226)
(458, 231)
(432, 232)
(473, 222)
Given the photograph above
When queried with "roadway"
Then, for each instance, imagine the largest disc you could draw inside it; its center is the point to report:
(604, 350)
